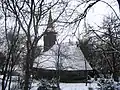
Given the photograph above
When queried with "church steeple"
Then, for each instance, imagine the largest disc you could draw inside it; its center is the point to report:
(50, 34)
(50, 26)
(50, 21)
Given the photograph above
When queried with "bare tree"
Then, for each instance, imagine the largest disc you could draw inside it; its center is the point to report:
(28, 16)
(107, 45)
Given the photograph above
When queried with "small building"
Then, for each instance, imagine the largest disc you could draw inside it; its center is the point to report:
(65, 60)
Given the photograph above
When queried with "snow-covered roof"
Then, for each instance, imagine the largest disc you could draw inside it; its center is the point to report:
(69, 56)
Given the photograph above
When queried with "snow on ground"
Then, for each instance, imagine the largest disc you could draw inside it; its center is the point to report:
(73, 86)
(63, 86)
(66, 86)
(70, 86)
(77, 86)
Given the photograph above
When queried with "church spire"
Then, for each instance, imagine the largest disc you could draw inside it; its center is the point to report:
(50, 22)
(50, 34)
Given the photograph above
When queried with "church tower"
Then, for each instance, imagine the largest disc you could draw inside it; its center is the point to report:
(50, 34)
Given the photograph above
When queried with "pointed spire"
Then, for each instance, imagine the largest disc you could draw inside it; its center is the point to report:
(50, 21)
(50, 17)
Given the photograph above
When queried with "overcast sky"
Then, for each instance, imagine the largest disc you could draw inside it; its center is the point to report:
(99, 11)
(94, 16)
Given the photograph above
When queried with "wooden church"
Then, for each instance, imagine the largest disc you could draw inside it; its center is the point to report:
(65, 59)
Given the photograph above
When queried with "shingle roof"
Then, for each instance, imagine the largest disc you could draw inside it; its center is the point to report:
(70, 57)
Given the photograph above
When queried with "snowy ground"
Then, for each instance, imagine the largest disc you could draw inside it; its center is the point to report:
(71, 86)
(63, 86)
(67, 86)
(77, 86)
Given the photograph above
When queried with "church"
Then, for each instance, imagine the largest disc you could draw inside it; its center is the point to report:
(65, 60)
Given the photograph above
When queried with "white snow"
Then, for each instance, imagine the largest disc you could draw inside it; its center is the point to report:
(63, 86)
(72, 86)
(77, 86)
(70, 57)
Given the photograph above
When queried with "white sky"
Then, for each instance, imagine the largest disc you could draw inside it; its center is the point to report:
(94, 16)
(98, 12)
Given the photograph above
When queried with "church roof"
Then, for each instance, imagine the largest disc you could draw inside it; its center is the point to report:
(70, 57)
